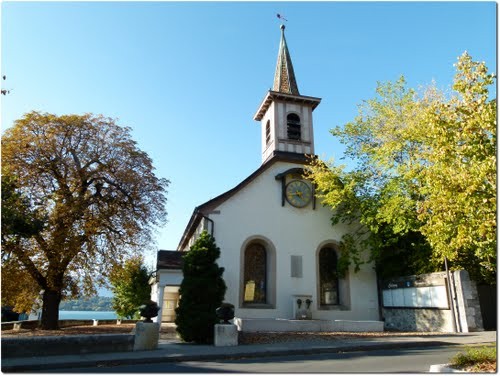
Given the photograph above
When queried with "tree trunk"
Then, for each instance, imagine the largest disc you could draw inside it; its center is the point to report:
(50, 310)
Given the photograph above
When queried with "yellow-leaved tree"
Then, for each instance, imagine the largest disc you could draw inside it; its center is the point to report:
(425, 184)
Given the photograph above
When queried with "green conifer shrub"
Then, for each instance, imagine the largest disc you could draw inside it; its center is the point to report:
(201, 292)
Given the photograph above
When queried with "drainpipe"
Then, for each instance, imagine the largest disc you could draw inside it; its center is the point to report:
(452, 301)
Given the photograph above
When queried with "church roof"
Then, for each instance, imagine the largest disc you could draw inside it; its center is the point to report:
(284, 77)
(169, 260)
(275, 96)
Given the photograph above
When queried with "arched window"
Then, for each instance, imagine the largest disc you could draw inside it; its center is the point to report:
(293, 127)
(328, 277)
(268, 132)
(255, 274)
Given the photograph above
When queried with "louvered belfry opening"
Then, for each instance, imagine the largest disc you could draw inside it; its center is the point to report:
(293, 127)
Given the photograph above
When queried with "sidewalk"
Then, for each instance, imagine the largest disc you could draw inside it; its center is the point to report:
(174, 351)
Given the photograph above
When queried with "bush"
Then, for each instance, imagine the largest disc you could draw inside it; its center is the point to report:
(130, 286)
(201, 292)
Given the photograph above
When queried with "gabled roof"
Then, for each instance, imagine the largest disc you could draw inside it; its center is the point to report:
(169, 260)
(204, 209)
(284, 76)
(276, 96)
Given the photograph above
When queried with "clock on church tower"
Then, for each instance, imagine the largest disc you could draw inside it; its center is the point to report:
(295, 189)
(298, 193)
(285, 115)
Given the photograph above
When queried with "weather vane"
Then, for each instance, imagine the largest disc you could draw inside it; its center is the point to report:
(281, 17)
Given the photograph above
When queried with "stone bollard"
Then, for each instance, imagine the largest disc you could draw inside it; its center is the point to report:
(96, 322)
(17, 326)
(118, 321)
(225, 335)
(147, 335)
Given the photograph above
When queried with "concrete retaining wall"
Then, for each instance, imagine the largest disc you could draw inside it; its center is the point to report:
(32, 324)
(65, 345)
(418, 320)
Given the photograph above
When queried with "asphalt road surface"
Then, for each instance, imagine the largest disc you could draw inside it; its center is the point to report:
(396, 361)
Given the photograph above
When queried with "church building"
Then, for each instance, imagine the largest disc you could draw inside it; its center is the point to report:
(278, 246)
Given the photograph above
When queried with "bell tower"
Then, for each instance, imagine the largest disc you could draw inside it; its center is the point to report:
(284, 114)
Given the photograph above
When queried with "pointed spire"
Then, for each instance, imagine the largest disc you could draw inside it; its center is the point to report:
(284, 77)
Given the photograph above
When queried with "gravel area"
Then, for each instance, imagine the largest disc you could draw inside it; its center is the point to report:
(283, 337)
(168, 332)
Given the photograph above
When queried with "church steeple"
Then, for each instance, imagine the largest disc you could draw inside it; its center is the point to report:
(284, 114)
(284, 77)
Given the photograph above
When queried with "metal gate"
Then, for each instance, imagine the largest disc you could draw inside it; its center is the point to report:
(488, 302)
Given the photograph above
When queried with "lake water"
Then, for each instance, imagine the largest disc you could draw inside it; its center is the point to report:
(87, 315)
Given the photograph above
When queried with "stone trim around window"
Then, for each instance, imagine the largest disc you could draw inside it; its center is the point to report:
(344, 298)
(270, 268)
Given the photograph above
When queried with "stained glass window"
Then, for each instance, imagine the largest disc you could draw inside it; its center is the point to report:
(255, 274)
(328, 277)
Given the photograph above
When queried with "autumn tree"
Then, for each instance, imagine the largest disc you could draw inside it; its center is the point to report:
(130, 286)
(19, 222)
(425, 183)
(93, 195)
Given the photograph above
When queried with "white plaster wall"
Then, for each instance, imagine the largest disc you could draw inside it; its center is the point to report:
(267, 149)
(154, 292)
(257, 210)
(170, 277)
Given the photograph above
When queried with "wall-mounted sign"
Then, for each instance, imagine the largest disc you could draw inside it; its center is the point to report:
(408, 283)
(416, 297)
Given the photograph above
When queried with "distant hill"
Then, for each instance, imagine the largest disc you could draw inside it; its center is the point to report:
(95, 303)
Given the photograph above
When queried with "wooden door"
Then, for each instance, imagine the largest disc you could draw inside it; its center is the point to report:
(170, 301)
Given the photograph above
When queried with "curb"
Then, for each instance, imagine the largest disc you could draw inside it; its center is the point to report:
(165, 358)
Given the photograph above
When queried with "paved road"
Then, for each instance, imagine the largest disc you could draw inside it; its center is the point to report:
(396, 361)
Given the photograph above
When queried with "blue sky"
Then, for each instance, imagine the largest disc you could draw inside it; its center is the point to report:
(187, 77)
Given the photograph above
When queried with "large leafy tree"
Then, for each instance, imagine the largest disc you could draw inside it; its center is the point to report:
(458, 180)
(425, 184)
(91, 194)
(201, 292)
(19, 222)
(130, 286)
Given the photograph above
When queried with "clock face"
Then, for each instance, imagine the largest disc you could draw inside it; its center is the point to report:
(298, 193)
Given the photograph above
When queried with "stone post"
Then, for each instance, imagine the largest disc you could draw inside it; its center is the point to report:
(225, 335)
(147, 335)
(469, 310)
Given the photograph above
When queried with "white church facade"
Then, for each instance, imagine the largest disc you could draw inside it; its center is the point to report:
(278, 246)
